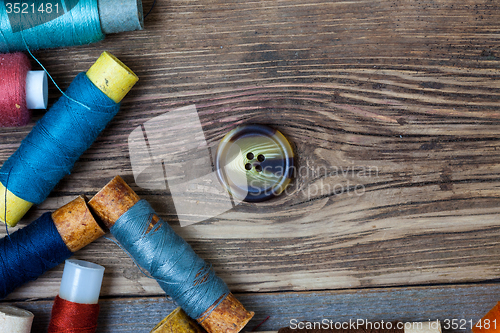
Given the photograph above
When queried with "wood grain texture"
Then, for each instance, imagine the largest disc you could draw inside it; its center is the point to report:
(463, 302)
(393, 109)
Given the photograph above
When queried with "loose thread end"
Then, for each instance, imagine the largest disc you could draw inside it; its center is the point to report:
(50, 76)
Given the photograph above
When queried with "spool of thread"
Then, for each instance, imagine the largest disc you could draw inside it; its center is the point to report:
(21, 90)
(76, 308)
(15, 320)
(45, 24)
(45, 243)
(178, 321)
(169, 259)
(490, 323)
(56, 142)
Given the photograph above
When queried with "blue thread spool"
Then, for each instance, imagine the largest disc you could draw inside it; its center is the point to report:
(59, 23)
(168, 258)
(29, 252)
(73, 123)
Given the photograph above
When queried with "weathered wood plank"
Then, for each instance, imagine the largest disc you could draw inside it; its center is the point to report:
(466, 303)
(408, 91)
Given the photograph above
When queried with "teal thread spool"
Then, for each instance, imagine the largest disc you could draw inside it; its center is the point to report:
(117, 205)
(43, 24)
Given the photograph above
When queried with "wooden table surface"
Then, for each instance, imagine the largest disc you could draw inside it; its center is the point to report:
(393, 108)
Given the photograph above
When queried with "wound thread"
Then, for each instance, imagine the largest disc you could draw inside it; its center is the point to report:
(41, 24)
(70, 317)
(70, 23)
(182, 274)
(51, 149)
(29, 252)
(13, 71)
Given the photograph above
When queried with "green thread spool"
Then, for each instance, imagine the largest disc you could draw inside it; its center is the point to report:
(64, 22)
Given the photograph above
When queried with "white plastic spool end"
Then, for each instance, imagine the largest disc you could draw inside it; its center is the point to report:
(15, 320)
(37, 90)
(81, 282)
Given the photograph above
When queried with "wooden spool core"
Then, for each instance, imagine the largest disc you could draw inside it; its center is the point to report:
(76, 225)
(229, 316)
(112, 202)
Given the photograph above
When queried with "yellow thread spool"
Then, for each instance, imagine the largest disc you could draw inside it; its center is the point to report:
(115, 80)
(112, 77)
(178, 321)
(16, 207)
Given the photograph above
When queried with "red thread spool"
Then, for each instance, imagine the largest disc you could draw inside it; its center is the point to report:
(75, 309)
(20, 89)
(70, 317)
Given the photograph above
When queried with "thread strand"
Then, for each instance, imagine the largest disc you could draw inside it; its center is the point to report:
(50, 76)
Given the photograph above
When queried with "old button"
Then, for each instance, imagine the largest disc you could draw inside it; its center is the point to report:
(254, 163)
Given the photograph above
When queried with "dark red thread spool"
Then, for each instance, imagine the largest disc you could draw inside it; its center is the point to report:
(20, 90)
